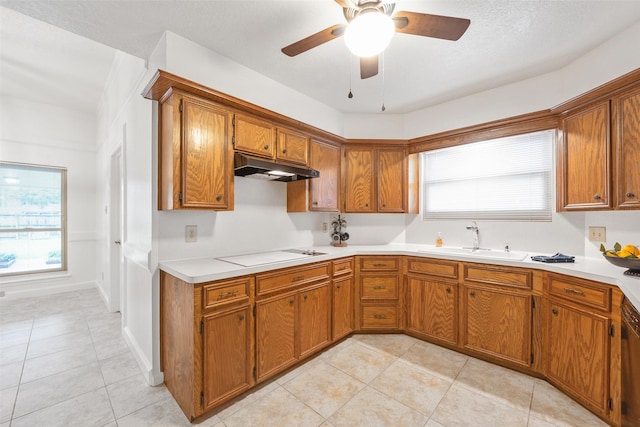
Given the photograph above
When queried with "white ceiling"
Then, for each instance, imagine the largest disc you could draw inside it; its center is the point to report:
(507, 41)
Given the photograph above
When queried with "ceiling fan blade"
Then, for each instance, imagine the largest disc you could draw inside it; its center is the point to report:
(424, 24)
(368, 67)
(314, 40)
(345, 3)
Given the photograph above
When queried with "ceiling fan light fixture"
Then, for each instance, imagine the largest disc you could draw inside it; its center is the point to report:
(369, 33)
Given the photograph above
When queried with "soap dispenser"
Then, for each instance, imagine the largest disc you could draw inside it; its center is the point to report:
(439, 240)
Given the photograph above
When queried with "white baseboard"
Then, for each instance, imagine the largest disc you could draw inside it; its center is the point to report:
(153, 377)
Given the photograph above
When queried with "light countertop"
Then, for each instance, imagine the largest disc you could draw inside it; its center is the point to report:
(200, 270)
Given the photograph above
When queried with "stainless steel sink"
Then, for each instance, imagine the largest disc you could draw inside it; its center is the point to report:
(478, 253)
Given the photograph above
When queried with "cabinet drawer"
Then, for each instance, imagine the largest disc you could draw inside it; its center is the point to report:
(580, 291)
(342, 266)
(224, 293)
(495, 275)
(434, 267)
(282, 279)
(379, 263)
(379, 317)
(379, 287)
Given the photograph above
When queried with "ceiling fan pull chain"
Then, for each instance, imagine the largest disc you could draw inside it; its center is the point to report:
(350, 75)
(382, 60)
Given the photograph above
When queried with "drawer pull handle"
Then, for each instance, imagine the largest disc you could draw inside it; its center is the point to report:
(555, 312)
(297, 278)
(380, 287)
(574, 291)
(379, 316)
(227, 294)
(379, 264)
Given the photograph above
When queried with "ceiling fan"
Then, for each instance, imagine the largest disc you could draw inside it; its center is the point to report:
(419, 24)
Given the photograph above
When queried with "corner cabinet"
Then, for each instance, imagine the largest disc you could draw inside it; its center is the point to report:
(317, 194)
(598, 155)
(582, 341)
(375, 179)
(195, 155)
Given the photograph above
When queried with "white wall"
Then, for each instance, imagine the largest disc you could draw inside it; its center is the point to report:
(46, 134)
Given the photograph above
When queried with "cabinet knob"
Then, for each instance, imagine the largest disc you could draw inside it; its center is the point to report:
(266, 147)
(366, 205)
(241, 317)
(555, 312)
(338, 286)
(218, 197)
(290, 302)
(597, 197)
(284, 151)
(472, 293)
(630, 195)
(448, 290)
(315, 203)
(305, 297)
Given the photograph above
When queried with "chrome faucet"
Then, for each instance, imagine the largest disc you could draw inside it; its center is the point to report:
(476, 235)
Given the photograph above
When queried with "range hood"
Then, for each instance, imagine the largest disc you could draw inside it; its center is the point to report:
(255, 167)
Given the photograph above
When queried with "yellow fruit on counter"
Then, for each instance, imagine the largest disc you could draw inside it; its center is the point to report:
(630, 248)
(624, 254)
(637, 252)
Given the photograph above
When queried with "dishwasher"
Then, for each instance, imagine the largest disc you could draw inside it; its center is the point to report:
(630, 365)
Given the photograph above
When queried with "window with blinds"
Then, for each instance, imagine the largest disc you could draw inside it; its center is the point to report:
(500, 179)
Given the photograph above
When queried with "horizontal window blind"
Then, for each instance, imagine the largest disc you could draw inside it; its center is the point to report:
(501, 179)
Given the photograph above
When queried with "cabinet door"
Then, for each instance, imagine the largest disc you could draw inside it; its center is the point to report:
(254, 136)
(228, 358)
(275, 334)
(627, 149)
(577, 346)
(323, 191)
(585, 153)
(358, 180)
(432, 309)
(342, 307)
(206, 155)
(392, 180)
(314, 316)
(497, 323)
(293, 147)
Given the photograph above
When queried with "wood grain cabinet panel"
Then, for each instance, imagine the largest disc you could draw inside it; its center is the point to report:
(227, 354)
(392, 180)
(359, 184)
(578, 354)
(343, 310)
(379, 317)
(432, 309)
(317, 194)
(497, 322)
(254, 136)
(275, 334)
(585, 158)
(314, 317)
(293, 146)
(626, 112)
(195, 155)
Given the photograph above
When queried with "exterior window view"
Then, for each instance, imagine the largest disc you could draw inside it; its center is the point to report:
(328, 213)
(32, 218)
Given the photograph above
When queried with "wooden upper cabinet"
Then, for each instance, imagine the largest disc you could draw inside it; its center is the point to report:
(392, 180)
(584, 159)
(254, 136)
(293, 147)
(626, 139)
(358, 180)
(195, 155)
(375, 179)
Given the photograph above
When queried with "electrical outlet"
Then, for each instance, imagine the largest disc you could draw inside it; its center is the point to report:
(325, 227)
(597, 234)
(190, 233)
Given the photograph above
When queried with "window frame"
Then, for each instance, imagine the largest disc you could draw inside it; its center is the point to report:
(548, 176)
(63, 229)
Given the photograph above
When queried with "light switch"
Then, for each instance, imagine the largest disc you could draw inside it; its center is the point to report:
(190, 233)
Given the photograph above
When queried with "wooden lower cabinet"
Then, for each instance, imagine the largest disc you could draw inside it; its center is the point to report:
(378, 293)
(578, 353)
(228, 357)
(432, 309)
(342, 307)
(275, 334)
(291, 326)
(497, 323)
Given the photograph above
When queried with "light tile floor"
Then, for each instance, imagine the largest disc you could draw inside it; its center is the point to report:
(63, 362)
